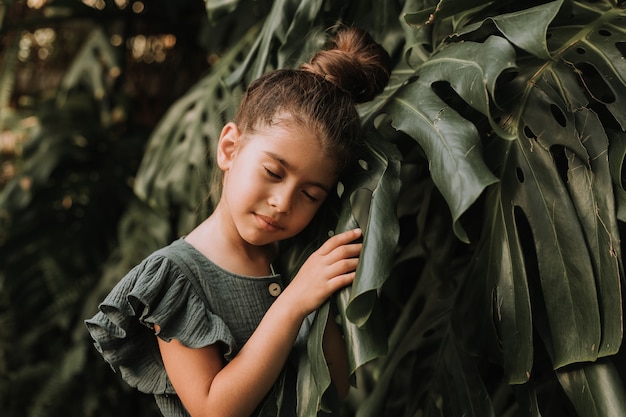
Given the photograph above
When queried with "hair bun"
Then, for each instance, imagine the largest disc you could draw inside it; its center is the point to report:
(353, 62)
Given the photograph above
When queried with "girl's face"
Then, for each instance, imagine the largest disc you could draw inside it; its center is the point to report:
(275, 180)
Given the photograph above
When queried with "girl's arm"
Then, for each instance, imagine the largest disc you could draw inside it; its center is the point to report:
(207, 386)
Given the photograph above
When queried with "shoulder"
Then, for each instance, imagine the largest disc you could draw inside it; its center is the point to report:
(163, 279)
(160, 291)
(178, 260)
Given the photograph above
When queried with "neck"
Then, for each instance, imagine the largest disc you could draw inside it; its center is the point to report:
(223, 246)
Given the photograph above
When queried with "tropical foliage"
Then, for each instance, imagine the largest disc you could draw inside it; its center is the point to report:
(493, 198)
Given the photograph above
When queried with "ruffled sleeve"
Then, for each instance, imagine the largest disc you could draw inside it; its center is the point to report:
(154, 292)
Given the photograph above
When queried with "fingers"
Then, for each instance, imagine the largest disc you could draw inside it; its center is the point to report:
(343, 266)
(352, 250)
(340, 240)
(341, 281)
(330, 268)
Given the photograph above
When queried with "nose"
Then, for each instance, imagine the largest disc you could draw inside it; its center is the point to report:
(281, 199)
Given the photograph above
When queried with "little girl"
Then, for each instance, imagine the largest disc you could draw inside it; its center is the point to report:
(225, 322)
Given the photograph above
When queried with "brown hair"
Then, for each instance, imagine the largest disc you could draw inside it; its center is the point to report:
(321, 95)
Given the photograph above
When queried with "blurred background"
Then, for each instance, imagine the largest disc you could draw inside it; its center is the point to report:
(83, 85)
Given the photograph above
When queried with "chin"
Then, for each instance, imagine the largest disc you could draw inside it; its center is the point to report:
(256, 240)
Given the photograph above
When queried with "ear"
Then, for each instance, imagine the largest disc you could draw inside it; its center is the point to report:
(227, 145)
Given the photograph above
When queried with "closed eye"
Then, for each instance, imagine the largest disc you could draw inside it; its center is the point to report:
(310, 196)
(272, 174)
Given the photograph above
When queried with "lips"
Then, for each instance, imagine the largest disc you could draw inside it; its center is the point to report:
(268, 223)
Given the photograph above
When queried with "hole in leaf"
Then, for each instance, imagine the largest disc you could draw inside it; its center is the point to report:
(529, 133)
(206, 141)
(190, 107)
(506, 77)
(527, 243)
(594, 83)
(621, 47)
(364, 164)
(182, 138)
(501, 90)
(581, 51)
(340, 189)
(604, 32)
(446, 93)
(411, 79)
(519, 174)
(558, 114)
(525, 234)
(219, 93)
(560, 161)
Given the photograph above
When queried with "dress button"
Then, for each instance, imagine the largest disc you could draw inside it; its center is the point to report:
(274, 289)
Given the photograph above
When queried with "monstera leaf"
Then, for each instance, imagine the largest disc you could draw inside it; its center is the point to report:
(548, 259)
(366, 198)
(286, 39)
(595, 389)
(556, 191)
(452, 143)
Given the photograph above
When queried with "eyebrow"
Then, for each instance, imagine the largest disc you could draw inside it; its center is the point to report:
(288, 166)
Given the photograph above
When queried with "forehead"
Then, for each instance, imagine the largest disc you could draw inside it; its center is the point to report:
(295, 147)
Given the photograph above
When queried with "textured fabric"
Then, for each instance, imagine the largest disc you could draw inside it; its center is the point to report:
(157, 292)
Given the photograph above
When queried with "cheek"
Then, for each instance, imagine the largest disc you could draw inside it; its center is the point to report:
(306, 212)
(241, 186)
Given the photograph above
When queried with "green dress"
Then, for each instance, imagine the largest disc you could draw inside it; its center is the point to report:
(161, 290)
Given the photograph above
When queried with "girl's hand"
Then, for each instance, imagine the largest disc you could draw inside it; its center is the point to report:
(330, 268)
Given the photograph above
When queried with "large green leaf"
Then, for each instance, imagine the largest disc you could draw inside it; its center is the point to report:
(593, 45)
(617, 155)
(286, 38)
(370, 192)
(574, 236)
(422, 374)
(498, 290)
(443, 9)
(555, 192)
(313, 373)
(595, 389)
(373, 194)
(451, 142)
(516, 28)
(596, 211)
